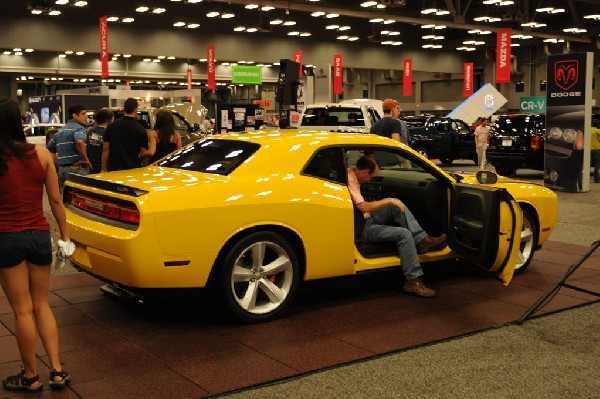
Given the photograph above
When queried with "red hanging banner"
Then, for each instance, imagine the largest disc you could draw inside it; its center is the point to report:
(298, 59)
(468, 79)
(503, 55)
(210, 66)
(338, 87)
(189, 78)
(104, 46)
(407, 78)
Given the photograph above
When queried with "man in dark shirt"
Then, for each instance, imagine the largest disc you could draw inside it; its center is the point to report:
(389, 125)
(124, 141)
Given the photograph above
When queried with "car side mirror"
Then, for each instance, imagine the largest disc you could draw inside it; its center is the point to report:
(486, 177)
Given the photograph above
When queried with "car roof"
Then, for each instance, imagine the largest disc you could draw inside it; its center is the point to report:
(307, 137)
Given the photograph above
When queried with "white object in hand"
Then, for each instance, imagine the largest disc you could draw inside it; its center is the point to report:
(65, 250)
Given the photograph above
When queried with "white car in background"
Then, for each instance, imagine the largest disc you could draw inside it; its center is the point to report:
(339, 117)
(41, 133)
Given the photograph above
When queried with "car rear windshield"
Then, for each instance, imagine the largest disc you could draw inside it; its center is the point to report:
(333, 116)
(211, 156)
(515, 123)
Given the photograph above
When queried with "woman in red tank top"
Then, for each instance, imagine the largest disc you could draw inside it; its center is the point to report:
(25, 246)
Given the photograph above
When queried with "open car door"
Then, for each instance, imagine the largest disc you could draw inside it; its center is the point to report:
(485, 228)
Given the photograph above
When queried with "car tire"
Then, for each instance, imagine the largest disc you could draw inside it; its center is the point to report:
(423, 151)
(527, 243)
(447, 161)
(256, 290)
(505, 170)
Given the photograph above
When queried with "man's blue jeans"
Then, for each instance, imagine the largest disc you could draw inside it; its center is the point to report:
(390, 224)
(63, 172)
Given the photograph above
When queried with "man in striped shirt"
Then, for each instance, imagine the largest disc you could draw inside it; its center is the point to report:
(69, 146)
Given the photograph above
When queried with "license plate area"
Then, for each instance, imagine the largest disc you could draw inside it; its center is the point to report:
(507, 143)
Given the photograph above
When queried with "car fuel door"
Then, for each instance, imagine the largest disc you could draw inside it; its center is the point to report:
(485, 228)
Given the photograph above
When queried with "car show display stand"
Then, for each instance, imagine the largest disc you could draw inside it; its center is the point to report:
(561, 283)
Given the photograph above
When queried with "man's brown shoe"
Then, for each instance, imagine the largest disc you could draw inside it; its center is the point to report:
(417, 288)
(430, 243)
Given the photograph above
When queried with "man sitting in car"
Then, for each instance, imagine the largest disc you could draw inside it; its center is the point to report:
(389, 220)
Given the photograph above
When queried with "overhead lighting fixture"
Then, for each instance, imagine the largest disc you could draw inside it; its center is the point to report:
(522, 37)
(433, 37)
(435, 11)
(550, 10)
(553, 40)
(433, 26)
(390, 32)
(391, 43)
(592, 16)
(474, 42)
(533, 24)
(499, 2)
(574, 30)
(479, 32)
(432, 46)
(486, 18)
(465, 48)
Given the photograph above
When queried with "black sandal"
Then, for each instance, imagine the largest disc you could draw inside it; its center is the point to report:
(65, 379)
(21, 383)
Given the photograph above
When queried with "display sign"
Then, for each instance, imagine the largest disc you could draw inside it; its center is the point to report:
(407, 78)
(210, 67)
(244, 74)
(322, 88)
(189, 78)
(483, 103)
(503, 42)
(533, 105)
(337, 74)
(568, 122)
(298, 58)
(266, 104)
(468, 79)
(104, 46)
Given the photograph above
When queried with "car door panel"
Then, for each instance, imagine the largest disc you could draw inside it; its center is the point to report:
(485, 226)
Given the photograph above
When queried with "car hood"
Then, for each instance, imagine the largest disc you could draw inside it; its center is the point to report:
(156, 178)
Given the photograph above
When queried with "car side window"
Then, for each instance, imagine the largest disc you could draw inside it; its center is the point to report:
(327, 164)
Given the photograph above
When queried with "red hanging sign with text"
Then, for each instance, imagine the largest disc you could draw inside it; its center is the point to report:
(337, 74)
(407, 78)
(210, 67)
(189, 78)
(468, 79)
(503, 55)
(298, 59)
(104, 46)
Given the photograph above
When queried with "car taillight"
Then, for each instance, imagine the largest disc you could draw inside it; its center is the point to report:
(100, 206)
(579, 141)
(535, 142)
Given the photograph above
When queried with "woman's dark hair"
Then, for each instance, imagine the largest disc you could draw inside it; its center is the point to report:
(103, 116)
(12, 137)
(165, 126)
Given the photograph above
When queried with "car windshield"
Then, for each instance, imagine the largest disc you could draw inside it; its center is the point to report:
(333, 116)
(514, 123)
(211, 156)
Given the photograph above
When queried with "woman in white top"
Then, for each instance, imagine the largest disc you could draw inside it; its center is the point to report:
(482, 134)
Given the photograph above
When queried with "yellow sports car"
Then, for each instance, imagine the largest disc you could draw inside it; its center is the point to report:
(255, 214)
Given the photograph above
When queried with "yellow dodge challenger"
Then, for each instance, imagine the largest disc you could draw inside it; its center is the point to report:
(255, 214)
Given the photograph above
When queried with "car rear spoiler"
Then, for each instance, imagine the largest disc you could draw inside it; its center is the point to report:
(106, 185)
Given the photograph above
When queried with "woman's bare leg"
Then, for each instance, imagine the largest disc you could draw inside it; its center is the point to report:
(15, 283)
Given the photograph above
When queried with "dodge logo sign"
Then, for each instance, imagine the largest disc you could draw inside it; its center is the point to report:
(566, 73)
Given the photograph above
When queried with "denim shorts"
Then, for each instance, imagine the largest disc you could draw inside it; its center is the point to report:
(34, 246)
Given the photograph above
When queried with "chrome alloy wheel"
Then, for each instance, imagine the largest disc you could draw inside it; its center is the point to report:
(262, 277)
(526, 244)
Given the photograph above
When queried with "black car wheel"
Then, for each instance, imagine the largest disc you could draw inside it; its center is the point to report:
(505, 170)
(423, 152)
(527, 244)
(260, 277)
(447, 161)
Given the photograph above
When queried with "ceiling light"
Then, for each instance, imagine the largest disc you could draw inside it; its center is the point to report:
(251, 6)
(574, 30)
(276, 22)
(593, 16)
(128, 20)
(192, 26)
(294, 33)
(267, 8)
(147, 59)
(227, 15)
(158, 10)
(61, 2)
(523, 37)
(317, 14)
(126, 55)
(332, 15)
(480, 32)
(112, 19)
(486, 18)
(534, 24)
(54, 12)
(305, 34)
(239, 29)
(170, 57)
(80, 3)
(251, 30)
(80, 53)
(142, 9)
(465, 48)
(289, 23)
(368, 4)
(436, 11)
(554, 40)
(6, 52)
(161, 57)
(550, 10)
(515, 45)
(212, 14)
(331, 27)
(68, 52)
(179, 23)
